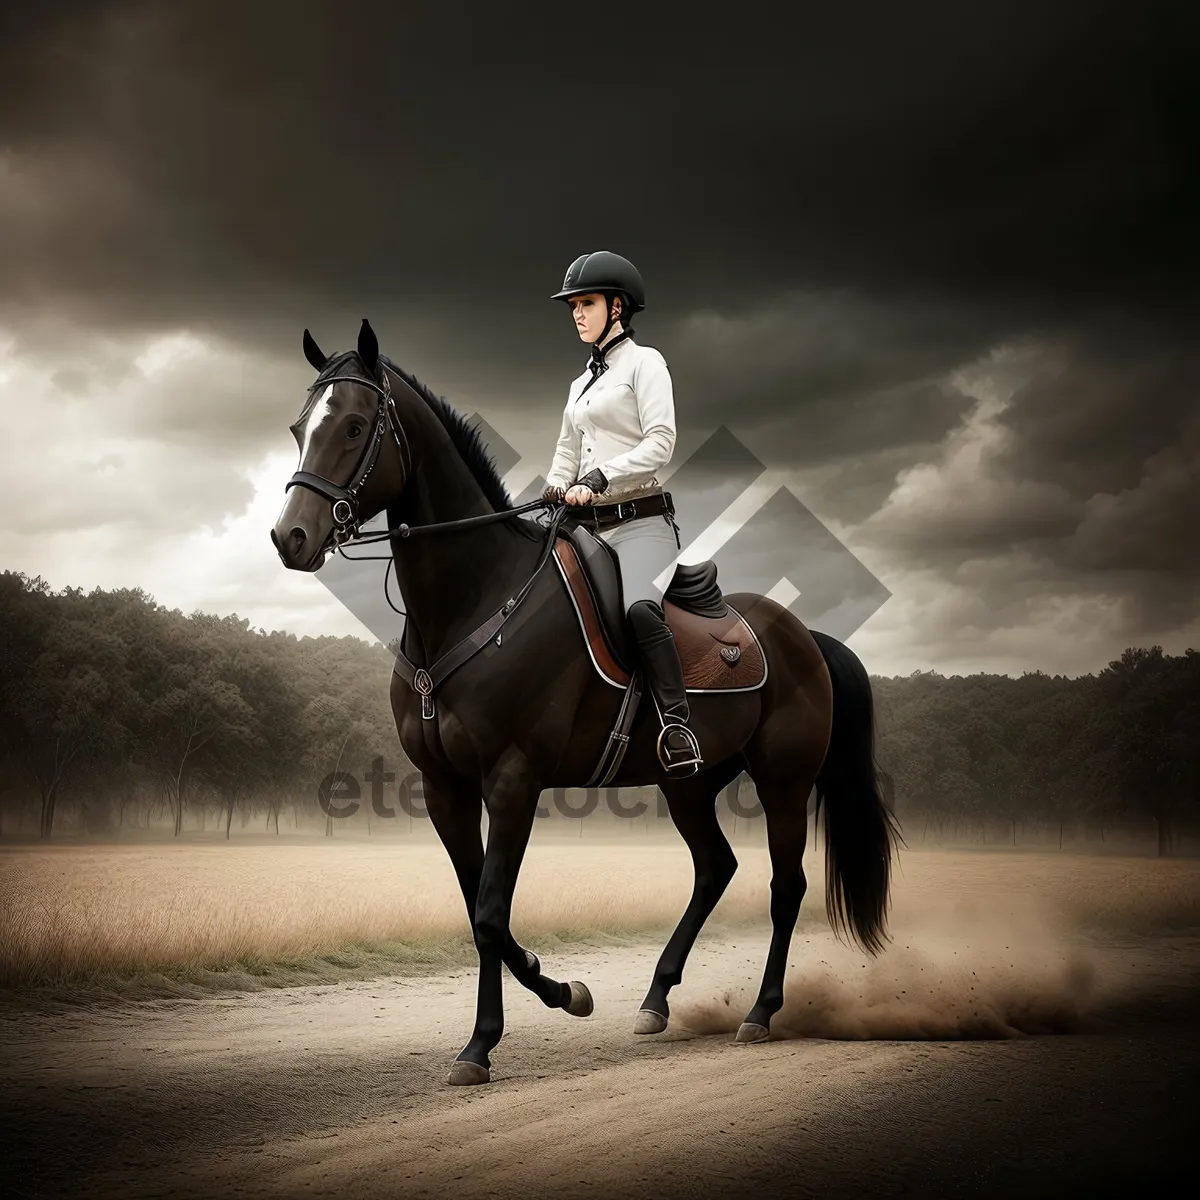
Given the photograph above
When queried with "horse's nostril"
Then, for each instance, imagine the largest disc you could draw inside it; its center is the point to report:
(296, 537)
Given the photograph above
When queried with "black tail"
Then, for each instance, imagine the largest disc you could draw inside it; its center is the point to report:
(860, 831)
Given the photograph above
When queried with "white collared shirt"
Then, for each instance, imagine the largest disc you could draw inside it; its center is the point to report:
(624, 423)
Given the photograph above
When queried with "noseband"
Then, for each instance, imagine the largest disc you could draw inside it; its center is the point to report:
(345, 499)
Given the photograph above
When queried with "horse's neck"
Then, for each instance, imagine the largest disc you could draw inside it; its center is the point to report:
(453, 580)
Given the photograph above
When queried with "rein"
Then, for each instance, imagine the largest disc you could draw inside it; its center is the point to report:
(404, 530)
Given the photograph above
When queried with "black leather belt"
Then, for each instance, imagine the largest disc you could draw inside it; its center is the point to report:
(603, 516)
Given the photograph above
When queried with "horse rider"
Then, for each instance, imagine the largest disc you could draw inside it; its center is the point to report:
(618, 431)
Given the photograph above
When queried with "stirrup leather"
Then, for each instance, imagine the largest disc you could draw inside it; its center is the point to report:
(689, 757)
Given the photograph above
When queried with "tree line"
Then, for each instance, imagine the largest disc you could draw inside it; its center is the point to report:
(109, 699)
(123, 710)
(1118, 749)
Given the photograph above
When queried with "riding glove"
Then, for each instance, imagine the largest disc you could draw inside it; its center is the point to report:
(595, 481)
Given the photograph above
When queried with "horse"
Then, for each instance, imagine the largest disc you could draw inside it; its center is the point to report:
(511, 699)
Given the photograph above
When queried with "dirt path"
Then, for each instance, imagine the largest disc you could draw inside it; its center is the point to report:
(339, 1091)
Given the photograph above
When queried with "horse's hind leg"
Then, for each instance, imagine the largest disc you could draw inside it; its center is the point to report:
(692, 803)
(786, 807)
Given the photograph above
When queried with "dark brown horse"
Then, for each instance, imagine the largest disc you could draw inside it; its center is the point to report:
(511, 713)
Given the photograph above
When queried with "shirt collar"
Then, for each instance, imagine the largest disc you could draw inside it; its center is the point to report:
(598, 359)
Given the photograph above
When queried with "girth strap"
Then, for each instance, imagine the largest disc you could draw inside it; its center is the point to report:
(618, 739)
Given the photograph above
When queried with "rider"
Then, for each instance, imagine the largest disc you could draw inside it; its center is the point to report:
(618, 430)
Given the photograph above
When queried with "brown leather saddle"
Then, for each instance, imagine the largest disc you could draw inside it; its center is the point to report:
(717, 648)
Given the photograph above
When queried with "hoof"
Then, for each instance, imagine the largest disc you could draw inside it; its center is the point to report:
(750, 1033)
(649, 1022)
(466, 1073)
(581, 1000)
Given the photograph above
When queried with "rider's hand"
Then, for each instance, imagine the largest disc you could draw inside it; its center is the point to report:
(553, 492)
(580, 495)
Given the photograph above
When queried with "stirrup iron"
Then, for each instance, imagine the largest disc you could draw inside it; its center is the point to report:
(689, 760)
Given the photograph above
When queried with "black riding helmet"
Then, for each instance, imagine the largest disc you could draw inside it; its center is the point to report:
(608, 273)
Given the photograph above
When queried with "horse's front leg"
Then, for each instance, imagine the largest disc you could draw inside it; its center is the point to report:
(511, 805)
(454, 808)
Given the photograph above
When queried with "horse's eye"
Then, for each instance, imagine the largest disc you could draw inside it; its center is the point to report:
(355, 430)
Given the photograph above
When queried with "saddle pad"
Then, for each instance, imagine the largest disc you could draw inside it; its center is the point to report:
(718, 654)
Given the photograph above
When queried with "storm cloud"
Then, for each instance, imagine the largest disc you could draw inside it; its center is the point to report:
(933, 264)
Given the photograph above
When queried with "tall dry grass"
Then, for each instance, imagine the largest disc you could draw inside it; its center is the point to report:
(182, 913)
(180, 919)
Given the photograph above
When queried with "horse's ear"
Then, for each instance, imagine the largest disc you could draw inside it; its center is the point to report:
(313, 352)
(368, 346)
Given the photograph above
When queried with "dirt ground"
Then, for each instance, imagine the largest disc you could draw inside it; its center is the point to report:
(992, 1051)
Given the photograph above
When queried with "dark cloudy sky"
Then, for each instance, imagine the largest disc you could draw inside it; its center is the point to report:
(934, 264)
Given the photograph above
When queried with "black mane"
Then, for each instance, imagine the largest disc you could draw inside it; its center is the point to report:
(465, 437)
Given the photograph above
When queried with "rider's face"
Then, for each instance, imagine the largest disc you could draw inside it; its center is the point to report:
(590, 315)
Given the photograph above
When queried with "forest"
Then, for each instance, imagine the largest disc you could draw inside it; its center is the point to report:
(118, 713)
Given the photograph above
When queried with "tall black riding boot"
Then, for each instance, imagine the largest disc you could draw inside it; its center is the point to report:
(678, 750)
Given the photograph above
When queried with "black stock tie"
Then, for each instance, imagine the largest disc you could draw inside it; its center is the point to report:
(599, 361)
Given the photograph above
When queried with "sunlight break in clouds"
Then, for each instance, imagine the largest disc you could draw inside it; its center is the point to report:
(163, 353)
(144, 494)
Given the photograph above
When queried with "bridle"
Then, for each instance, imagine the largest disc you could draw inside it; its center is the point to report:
(345, 499)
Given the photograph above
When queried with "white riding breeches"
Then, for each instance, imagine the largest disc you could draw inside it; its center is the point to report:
(645, 548)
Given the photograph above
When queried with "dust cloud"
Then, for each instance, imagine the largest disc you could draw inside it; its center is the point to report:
(981, 984)
(983, 946)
